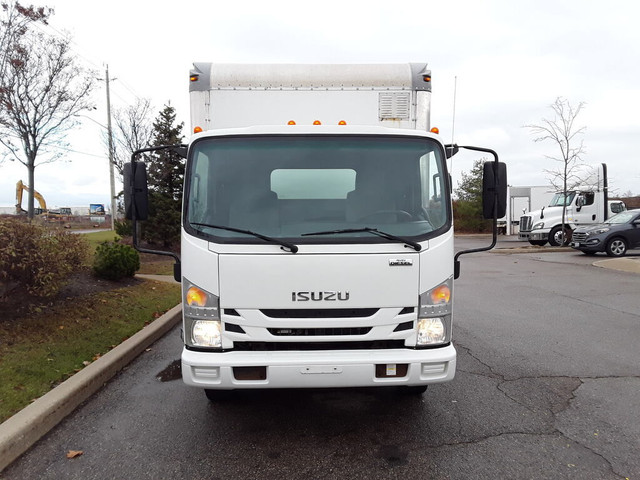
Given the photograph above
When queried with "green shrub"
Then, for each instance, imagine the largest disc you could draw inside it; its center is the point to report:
(468, 218)
(114, 261)
(123, 228)
(36, 261)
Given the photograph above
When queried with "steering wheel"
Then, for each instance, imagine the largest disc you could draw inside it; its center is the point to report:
(403, 215)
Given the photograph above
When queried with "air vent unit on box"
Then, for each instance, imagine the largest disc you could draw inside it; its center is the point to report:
(394, 105)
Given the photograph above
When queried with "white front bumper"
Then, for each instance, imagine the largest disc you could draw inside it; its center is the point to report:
(318, 369)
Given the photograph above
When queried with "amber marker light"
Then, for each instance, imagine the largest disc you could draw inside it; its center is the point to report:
(435, 130)
(342, 122)
(317, 122)
(441, 294)
(291, 122)
(193, 78)
(197, 130)
(196, 297)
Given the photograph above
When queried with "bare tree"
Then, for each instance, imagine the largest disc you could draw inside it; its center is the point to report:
(41, 91)
(133, 131)
(15, 20)
(563, 131)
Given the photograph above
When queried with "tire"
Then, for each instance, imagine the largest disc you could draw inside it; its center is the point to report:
(616, 247)
(218, 395)
(538, 243)
(555, 236)
(414, 390)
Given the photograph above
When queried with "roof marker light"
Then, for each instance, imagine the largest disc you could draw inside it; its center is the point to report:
(317, 122)
(291, 122)
(342, 122)
(435, 130)
(197, 129)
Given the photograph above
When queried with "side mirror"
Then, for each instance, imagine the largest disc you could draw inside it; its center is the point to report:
(494, 190)
(136, 193)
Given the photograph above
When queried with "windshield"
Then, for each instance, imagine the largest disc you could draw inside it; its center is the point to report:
(289, 187)
(559, 199)
(624, 217)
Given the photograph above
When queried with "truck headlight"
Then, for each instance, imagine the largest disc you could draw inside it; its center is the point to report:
(538, 226)
(431, 331)
(206, 333)
(434, 316)
(201, 311)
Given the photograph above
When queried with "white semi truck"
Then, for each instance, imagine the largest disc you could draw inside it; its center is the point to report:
(584, 206)
(317, 232)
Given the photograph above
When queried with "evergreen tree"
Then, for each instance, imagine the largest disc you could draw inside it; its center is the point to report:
(166, 175)
(468, 207)
(470, 187)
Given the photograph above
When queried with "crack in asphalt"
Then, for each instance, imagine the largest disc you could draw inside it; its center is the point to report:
(570, 397)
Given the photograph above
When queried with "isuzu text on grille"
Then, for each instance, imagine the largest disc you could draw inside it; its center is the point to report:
(319, 296)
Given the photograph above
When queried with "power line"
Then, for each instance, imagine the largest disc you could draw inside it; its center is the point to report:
(60, 147)
(75, 47)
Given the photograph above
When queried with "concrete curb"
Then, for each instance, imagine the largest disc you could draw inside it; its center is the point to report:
(22, 430)
(631, 265)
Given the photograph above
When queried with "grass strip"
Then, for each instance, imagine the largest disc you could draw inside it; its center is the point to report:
(96, 238)
(42, 350)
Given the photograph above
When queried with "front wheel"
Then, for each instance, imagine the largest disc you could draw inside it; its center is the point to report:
(219, 395)
(616, 247)
(538, 243)
(558, 238)
(414, 390)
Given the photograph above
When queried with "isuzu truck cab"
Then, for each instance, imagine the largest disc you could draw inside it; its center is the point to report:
(317, 231)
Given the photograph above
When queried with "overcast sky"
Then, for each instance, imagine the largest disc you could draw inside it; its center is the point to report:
(508, 61)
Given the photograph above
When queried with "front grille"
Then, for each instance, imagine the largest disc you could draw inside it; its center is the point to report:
(310, 332)
(308, 346)
(526, 222)
(320, 312)
(579, 236)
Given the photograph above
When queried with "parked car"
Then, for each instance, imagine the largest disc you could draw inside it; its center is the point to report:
(615, 236)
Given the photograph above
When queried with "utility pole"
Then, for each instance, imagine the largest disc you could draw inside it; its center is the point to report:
(111, 174)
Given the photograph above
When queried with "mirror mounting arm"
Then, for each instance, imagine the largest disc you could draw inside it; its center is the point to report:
(494, 190)
(136, 197)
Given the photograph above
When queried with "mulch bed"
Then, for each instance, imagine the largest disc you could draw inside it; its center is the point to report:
(79, 284)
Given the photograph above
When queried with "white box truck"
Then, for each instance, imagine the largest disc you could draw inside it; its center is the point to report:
(317, 233)
(587, 205)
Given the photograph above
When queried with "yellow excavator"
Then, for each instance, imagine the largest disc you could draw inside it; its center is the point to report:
(20, 189)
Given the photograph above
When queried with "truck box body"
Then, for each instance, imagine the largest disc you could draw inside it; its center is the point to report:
(315, 255)
(230, 95)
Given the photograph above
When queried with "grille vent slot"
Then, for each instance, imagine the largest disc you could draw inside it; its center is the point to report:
(232, 327)
(307, 346)
(404, 326)
(320, 312)
(309, 332)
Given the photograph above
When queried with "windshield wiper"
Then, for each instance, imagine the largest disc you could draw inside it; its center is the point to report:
(289, 246)
(416, 246)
